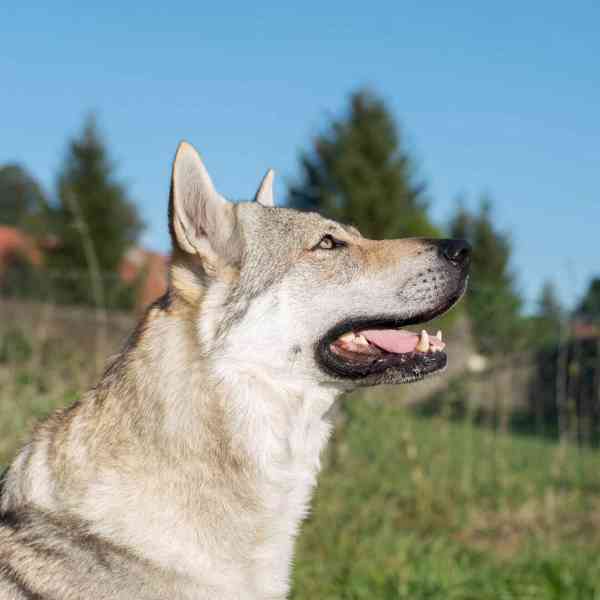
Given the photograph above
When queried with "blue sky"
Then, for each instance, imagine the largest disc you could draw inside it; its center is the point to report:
(502, 99)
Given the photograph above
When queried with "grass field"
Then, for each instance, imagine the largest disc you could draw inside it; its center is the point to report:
(425, 509)
(407, 507)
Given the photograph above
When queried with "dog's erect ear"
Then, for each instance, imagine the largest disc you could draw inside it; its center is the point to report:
(264, 195)
(201, 221)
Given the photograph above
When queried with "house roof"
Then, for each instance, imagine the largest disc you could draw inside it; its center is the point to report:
(151, 267)
(14, 242)
(583, 330)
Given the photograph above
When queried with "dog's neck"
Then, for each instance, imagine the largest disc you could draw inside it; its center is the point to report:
(259, 412)
(277, 423)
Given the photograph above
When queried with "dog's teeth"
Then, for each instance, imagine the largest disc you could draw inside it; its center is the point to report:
(348, 337)
(438, 335)
(423, 345)
(361, 340)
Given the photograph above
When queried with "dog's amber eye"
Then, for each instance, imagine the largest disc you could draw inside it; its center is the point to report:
(328, 242)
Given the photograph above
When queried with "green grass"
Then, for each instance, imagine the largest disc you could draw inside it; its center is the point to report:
(407, 507)
(35, 379)
(425, 509)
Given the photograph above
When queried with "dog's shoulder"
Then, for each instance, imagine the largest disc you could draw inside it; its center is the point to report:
(47, 556)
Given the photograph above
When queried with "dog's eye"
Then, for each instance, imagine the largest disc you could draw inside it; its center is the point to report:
(328, 242)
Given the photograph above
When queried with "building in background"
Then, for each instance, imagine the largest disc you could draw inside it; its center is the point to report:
(149, 269)
(17, 245)
(139, 266)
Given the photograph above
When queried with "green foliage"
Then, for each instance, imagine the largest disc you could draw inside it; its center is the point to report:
(22, 279)
(358, 172)
(545, 325)
(589, 308)
(23, 204)
(49, 356)
(426, 509)
(493, 303)
(95, 223)
(19, 277)
(15, 347)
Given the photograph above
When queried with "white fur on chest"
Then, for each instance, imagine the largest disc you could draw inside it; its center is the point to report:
(284, 433)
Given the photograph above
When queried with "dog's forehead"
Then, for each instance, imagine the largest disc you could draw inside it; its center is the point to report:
(264, 223)
(272, 239)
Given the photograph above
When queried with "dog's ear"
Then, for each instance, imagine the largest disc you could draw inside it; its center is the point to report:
(264, 195)
(201, 221)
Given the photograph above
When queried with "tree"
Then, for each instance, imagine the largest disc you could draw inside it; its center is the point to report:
(493, 303)
(589, 307)
(546, 323)
(359, 172)
(23, 204)
(22, 279)
(95, 223)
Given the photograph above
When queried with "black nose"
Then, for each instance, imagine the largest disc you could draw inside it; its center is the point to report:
(456, 251)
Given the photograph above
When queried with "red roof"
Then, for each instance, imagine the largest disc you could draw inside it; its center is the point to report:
(583, 331)
(155, 267)
(137, 261)
(13, 242)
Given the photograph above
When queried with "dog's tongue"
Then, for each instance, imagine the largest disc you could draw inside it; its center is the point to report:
(392, 340)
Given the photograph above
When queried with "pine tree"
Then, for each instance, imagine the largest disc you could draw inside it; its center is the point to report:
(358, 172)
(548, 318)
(95, 223)
(493, 303)
(23, 203)
(589, 307)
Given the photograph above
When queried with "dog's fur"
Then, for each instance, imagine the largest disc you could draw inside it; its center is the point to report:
(186, 471)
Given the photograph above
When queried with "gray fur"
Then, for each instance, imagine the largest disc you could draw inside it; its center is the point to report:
(186, 472)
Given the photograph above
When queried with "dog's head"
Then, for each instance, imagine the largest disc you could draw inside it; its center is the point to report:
(303, 298)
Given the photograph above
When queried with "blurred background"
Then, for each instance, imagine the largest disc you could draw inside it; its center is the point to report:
(459, 120)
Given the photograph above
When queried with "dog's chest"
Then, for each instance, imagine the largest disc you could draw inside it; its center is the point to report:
(292, 464)
(285, 489)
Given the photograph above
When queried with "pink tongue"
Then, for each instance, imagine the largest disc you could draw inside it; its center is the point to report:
(392, 340)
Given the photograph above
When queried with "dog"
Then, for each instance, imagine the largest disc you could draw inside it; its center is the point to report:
(186, 472)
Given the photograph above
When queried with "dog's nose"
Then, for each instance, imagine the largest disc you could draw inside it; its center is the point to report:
(457, 252)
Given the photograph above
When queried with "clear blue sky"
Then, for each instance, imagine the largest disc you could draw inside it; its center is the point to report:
(502, 98)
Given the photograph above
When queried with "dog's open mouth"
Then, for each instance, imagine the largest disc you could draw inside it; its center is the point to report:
(375, 348)
(379, 342)
(379, 349)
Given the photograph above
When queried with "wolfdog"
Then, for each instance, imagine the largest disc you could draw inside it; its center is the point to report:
(186, 471)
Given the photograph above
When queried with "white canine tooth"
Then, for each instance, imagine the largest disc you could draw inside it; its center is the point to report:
(361, 340)
(438, 335)
(423, 345)
(347, 337)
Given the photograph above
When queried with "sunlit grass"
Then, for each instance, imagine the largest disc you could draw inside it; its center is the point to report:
(421, 508)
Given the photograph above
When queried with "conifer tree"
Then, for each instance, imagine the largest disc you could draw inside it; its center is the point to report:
(359, 172)
(589, 307)
(23, 203)
(493, 303)
(95, 224)
(548, 318)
